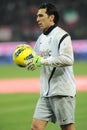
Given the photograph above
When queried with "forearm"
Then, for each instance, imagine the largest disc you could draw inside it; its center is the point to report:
(62, 60)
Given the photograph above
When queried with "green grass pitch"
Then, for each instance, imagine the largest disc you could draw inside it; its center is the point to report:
(13, 71)
(16, 110)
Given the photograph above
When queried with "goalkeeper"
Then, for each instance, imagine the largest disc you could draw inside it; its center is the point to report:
(57, 85)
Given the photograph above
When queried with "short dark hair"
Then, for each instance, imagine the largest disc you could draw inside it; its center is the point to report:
(50, 9)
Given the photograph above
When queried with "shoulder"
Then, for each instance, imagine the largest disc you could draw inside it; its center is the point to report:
(62, 34)
(61, 31)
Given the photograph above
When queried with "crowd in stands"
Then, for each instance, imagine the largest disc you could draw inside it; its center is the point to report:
(18, 19)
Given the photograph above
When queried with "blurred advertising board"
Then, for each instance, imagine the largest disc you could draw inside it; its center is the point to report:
(7, 48)
(80, 49)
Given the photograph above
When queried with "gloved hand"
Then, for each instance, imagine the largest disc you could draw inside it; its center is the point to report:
(33, 63)
(37, 60)
(30, 64)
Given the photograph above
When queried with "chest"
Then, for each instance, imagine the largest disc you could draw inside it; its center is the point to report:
(48, 46)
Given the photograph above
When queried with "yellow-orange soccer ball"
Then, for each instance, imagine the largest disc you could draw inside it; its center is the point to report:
(21, 54)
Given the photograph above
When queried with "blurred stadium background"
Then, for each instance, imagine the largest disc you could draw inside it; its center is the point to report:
(18, 25)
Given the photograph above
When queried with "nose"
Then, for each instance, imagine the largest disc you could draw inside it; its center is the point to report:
(37, 19)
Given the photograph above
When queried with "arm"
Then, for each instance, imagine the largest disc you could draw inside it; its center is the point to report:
(65, 57)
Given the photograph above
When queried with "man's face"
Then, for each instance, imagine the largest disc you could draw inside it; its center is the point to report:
(44, 21)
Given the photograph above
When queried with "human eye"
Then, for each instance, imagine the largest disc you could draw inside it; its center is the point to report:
(40, 15)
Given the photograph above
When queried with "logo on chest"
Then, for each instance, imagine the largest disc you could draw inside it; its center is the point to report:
(45, 47)
(45, 53)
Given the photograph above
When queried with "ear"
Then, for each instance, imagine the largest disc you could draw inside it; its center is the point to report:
(52, 18)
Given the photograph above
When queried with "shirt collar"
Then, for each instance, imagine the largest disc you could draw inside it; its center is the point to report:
(49, 30)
